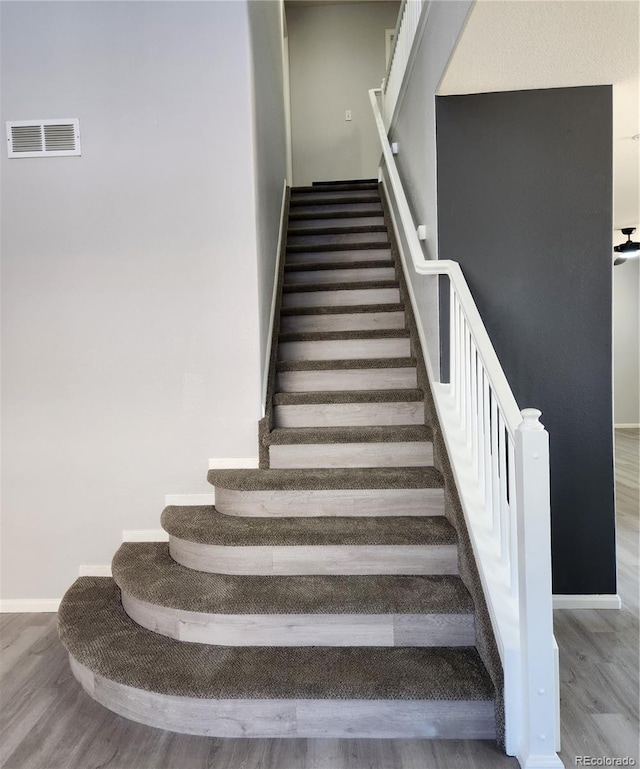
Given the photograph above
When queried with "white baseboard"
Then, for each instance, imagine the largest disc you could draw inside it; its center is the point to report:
(190, 499)
(94, 570)
(28, 605)
(234, 463)
(627, 426)
(587, 602)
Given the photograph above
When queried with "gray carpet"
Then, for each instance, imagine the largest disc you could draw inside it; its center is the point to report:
(300, 248)
(303, 197)
(319, 229)
(206, 525)
(331, 365)
(321, 336)
(344, 310)
(332, 478)
(146, 571)
(96, 631)
(354, 265)
(359, 210)
(365, 285)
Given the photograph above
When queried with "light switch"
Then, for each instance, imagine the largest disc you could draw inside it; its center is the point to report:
(347, 115)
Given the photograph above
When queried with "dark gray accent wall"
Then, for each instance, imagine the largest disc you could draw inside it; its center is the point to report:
(525, 206)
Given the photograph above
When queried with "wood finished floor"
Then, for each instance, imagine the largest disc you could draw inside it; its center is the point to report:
(48, 722)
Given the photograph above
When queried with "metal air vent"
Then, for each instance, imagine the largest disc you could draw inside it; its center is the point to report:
(43, 138)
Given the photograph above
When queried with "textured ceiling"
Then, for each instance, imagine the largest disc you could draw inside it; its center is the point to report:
(521, 44)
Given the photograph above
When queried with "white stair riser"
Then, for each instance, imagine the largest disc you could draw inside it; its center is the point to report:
(348, 256)
(347, 379)
(341, 297)
(303, 629)
(349, 414)
(355, 321)
(343, 349)
(325, 502)
(401, 719)
(356, 275)
(308, 455)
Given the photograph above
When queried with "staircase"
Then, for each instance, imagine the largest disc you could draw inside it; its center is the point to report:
(331, 592)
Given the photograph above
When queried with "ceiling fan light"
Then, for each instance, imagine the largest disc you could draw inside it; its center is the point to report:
(629, 249)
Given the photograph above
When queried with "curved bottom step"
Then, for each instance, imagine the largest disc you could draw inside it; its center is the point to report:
(270, 692)
(383, 719)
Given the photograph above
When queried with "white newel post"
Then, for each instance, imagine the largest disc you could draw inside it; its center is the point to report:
(539, 686)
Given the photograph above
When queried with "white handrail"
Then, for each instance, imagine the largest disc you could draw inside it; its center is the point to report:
(500, 459)
(441, 266)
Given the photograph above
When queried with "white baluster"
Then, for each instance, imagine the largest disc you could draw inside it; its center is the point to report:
(479, 421)
(473, 402)
(505, 498)
(459, 354)
(512, 520)
(488, 476)
(467, 386)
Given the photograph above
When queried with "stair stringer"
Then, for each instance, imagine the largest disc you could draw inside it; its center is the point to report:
(266, 423)
(467, 567)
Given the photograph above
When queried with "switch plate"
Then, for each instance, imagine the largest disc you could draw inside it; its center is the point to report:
(347, 115)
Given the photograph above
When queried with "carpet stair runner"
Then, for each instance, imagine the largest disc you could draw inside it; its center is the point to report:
(331, 592)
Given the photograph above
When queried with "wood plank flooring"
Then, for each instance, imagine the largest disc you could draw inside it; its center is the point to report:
(48, 722)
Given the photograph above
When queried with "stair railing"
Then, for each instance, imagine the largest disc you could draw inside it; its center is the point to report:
(410, 18)
(500, 459)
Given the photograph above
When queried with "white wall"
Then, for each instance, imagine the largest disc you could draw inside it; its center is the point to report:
(336, 53)
(524, 45)
(131, 330)
(266, 21)
(626, 277)
(626, 344)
